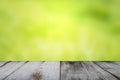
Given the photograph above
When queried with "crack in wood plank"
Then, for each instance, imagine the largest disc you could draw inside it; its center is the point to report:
(4, 64)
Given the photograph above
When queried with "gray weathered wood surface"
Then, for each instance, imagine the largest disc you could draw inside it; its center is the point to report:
(59, 70)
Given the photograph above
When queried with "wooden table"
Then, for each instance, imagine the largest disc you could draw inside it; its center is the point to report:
(59, 70)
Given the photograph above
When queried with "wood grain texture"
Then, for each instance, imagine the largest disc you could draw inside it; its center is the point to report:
(25, 72)
(84, 71)
(9, 68)
(31, 70)
(51, 71)
(73, 71)
(111, 67)
(3, 63)
(59, 70)
(97, 73)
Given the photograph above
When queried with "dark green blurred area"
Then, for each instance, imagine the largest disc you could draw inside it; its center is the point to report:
(60, 30)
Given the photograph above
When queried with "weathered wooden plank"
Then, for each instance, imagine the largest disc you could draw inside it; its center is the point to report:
(96, 73)
(9, 68)
(3, 63)
(25, 72)
(113, 69)
(51, 70)
(73, 71)
(37, 71)
(84, 71)
(118, 63)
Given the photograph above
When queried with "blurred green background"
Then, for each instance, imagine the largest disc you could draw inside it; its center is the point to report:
(60, 30)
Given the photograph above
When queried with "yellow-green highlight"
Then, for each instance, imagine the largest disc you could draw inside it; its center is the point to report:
(60, 30)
